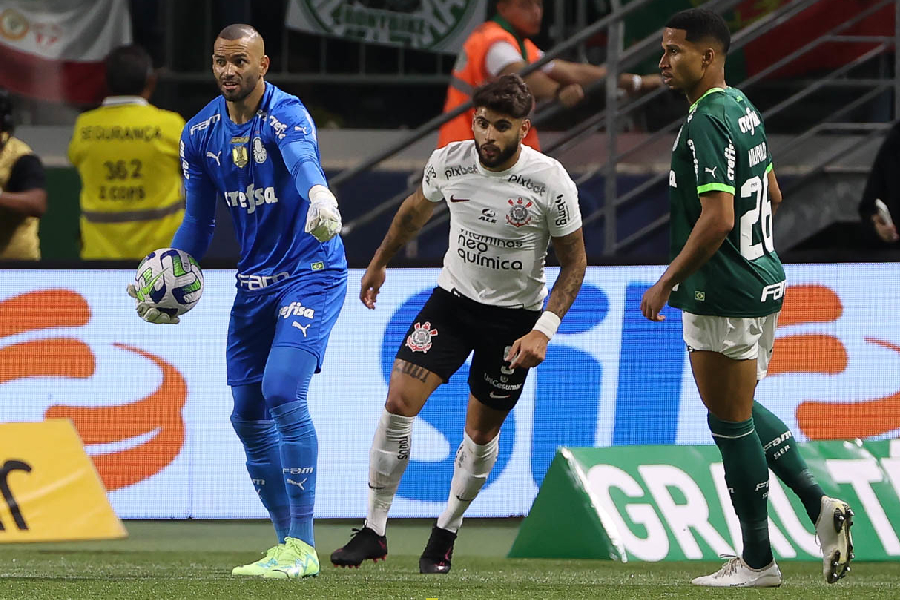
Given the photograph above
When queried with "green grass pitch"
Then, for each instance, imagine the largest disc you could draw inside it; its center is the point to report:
(192, 560)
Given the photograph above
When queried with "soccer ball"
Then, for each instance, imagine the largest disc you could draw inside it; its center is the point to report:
(170, 280)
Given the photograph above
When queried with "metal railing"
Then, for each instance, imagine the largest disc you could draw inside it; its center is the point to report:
(638, 52)
(614, 67)
(613, 201)
(617, 61)
(819, 165)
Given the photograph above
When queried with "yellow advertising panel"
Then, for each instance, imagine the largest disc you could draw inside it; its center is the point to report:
(49, 488)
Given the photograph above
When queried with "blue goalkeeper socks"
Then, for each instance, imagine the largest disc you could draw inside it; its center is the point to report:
(260, 439)
(285, 384)
(299, 451)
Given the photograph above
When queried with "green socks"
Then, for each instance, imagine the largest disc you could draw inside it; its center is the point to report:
(747, 477)
(783, 456)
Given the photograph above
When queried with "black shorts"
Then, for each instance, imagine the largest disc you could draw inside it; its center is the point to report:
(450, 326)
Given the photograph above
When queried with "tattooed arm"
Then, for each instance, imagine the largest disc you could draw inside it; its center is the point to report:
(413, 214)
(530, 349)
(573, 263)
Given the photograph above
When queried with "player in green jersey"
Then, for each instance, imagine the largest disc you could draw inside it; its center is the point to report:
(727, 279)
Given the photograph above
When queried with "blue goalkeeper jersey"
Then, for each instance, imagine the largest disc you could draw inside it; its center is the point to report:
(262, 171)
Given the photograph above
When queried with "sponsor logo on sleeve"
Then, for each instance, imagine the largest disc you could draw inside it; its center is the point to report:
(204, 124)
(430, 174)
(562, 211)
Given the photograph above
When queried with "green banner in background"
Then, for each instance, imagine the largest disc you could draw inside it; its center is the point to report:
(656, 503)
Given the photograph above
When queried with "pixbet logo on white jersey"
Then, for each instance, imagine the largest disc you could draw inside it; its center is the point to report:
(252, 198)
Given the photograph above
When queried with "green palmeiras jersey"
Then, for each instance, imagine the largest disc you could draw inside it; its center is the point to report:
(722, 147)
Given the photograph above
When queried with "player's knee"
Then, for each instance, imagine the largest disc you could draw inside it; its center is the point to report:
(398, 403)
(248, 403)
(483, 437)
(280, 387)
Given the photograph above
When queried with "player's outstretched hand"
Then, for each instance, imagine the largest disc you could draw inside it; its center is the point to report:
(528, 351)
(148, 313)
(372, 281)
(570, 95)
(885, 230)
(323, 219)
(654, 300)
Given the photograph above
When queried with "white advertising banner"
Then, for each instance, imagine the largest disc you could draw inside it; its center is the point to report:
(151, 405)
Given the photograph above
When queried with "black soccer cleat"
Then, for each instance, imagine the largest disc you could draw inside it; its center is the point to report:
(364, 544)
(435, 559)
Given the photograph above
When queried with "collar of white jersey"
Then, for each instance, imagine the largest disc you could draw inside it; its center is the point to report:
(122, 100)
(504, 173)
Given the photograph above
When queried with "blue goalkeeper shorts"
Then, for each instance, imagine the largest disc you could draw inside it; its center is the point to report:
(299, 314)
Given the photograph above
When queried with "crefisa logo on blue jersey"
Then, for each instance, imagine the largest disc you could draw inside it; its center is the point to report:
(251, 198)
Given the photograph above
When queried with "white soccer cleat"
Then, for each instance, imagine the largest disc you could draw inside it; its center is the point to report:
(736, 573)
(833, 531)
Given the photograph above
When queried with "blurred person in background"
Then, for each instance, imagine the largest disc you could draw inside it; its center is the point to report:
(23, 198)
(880, 203)
(126, 153)
(502, 46)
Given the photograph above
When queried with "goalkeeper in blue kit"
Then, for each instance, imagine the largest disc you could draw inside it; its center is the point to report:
(255, 148)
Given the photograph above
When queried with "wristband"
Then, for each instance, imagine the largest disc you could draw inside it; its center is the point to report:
(547, 324)
(320, 193)
(636, 82)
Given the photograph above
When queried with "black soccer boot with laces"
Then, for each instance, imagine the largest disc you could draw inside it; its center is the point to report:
(364, 544)
(438, 552)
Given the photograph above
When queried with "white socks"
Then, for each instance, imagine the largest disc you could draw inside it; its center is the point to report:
(470, 471)
(388, 459)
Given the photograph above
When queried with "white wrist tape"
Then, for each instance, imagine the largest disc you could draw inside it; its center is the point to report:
(547, 324)
(637, 82)
(320, 193)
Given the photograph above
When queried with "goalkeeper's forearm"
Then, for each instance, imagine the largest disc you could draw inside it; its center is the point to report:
(412, 216)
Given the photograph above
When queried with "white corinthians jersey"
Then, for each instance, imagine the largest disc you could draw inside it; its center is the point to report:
(500, 222)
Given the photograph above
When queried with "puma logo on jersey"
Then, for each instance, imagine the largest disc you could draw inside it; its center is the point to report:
(302, 328)
(215, 157)
(712, 171)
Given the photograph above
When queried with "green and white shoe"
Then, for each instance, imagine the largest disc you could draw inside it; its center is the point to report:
(258, 568)
(297, 559)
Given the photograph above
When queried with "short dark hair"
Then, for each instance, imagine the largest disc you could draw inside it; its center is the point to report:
(236, 31)
(700, 24)
(127, 70)
(508, 95)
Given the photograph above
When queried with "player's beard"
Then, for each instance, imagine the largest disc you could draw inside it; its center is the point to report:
(501, 157)
(244, 89)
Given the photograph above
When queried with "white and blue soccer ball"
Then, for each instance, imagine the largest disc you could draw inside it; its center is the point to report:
(170, 280)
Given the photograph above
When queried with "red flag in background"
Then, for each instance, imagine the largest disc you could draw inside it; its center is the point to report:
(54, 50)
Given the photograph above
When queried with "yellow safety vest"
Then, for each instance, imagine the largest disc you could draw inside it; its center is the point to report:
(132, 199)
(18, 232)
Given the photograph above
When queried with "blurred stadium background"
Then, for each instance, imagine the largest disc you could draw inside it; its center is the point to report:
(152, 407)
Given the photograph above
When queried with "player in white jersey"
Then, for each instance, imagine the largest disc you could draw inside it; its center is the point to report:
(506, 201)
